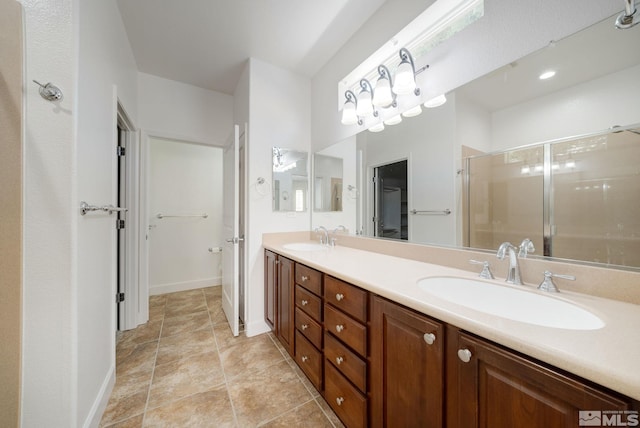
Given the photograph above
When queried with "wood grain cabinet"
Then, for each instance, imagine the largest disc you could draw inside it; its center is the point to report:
(407, 367)
(489, 386)
(279, 298)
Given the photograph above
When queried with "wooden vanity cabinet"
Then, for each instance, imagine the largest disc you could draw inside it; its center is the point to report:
(407, 367)
(489, 386)
(279, 298)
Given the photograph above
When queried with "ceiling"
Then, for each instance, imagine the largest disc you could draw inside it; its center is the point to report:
(206, 43)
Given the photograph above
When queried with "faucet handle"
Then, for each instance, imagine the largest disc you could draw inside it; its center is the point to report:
(547, 283)
(486, 271)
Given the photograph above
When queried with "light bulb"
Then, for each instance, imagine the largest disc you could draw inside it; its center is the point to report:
(382, 96)
(405, 81)
(365, 108)
(436, 101)
(349, 115)
(377, 127)
(394, 120)
(415, 111)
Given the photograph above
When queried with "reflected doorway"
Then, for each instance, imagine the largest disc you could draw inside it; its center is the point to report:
(390, 201)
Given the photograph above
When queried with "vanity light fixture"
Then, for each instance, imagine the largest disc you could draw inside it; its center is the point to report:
(412, 112)
(436, 101)
(525, 170)
(364, 107)
(570, 163)
(629, 17)
(382, 96)
(349, 115)
(393, 120)
(547, 75)
(405, 78)
(378, 127)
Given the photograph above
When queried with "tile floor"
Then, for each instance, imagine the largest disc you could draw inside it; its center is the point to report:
(185, 369)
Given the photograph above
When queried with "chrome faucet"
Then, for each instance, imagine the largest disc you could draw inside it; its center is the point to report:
(340, 228)
(513, 274)
(526, 247)
(324, 240)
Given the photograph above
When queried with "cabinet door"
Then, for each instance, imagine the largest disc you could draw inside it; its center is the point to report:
(285, 323)
(270, 279)
(495, 388)
(407, 377)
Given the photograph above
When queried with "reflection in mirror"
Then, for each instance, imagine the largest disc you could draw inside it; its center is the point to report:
(327, 183)
(290, 180)
(508, 112)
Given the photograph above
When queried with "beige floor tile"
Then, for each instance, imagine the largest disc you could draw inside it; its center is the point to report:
(134, 422)
(129, 384)
(185, 323)
(303, 378)
(184, 295)
(138, 358)
(156, 313)
(158, 300)
(217, 315)
(225, 338)
(143, 333)
(183, 345)
(206, 409)
(261, 396)
(307, 415)
(120, 410)
(184, 377)
(329, 412)
(215, 291)
(254, 354)
(184, 306)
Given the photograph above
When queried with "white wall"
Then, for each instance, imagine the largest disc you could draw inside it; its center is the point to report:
(278, 105)
(177, 110)
(508, 31)
(184, 179)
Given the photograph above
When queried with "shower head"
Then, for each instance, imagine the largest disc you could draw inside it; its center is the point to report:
(628, 18)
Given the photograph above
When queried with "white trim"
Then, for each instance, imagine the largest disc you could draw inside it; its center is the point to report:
(101, 401)
(256, 327)
(183, 286)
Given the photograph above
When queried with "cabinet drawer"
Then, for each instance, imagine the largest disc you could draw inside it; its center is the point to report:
(346, 297)
(310, 360)
(350, 331)
(309, 278)
(309, 328)
(348, 363)
(310, 303)
(348, 403)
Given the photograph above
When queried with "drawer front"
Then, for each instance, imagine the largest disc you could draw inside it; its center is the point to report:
(347, 297)
(345, 400)
(310, 360)
(348, 363)
(309, 328)
(345, 328)
(309, 278)
(310, 303)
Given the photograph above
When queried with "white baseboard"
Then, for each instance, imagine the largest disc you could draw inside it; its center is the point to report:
(101, 401)
(256, 327)
(183, 286)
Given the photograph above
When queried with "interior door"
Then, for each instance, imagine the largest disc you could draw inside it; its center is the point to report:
(231, 220)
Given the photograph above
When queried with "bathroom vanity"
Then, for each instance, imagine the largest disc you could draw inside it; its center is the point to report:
(384, 353)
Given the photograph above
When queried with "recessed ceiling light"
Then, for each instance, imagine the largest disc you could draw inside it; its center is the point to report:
(547, 75)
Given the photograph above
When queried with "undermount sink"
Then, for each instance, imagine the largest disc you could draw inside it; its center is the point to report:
(304, 246)
(511, 303)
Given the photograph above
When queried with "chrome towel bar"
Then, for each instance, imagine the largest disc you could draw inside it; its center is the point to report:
(432, 212)
(85, 208)
(160, 215)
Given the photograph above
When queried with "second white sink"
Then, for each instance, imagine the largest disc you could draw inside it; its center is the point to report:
(511, 303)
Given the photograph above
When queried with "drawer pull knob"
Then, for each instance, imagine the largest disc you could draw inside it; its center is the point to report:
(277, 262)
(429, 338)
(464, 355)
(339, 296)
(339, 360)
(304, 326)
(304, 278)
(305, 302)
(339, 328)
(340, 400)
(304, 358)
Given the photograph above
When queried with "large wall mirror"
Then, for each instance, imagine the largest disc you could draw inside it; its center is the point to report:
(290, 180)
(327, 183)
(515, 126)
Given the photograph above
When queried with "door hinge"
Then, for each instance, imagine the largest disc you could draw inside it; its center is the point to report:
(119, 224)
(119, 297)
(120, 151)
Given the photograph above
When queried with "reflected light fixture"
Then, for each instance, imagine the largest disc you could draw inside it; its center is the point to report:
(393, 120)
(382, 96)
(378, 127)
(405, 78)
(547, 75)
(412, 112)
(364, 106)
(435, 101)
(349, 115)
(525, 170)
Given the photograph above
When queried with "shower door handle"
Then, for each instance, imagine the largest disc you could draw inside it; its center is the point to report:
(235, 240)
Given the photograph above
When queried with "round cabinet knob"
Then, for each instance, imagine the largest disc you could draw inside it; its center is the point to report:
(305, 302)
(339, 296)
(464, 355)
(429, 338)
(339, 328)
(339, 360)
(340, 400)
(304, 326)
(304, 278)
(304, 358)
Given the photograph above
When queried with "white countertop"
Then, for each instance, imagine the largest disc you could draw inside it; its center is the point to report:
(609, 356)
